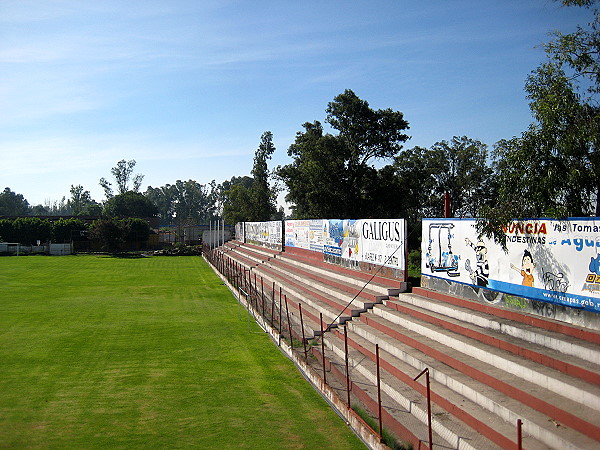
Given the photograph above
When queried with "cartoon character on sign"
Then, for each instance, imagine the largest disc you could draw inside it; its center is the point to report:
(439, 256)
(526, 269)
(481, 274)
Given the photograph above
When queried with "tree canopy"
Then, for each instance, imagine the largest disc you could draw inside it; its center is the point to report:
(333, 175)
(553, 168)
(129, 204)
(253, 198)
(12, 204)
(122, 174)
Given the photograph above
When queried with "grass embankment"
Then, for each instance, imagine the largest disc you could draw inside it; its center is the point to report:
(152, 352)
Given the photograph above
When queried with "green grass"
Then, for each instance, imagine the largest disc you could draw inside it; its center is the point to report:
(154, 352)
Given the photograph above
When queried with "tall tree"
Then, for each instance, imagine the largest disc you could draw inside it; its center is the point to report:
(263, 206)
(81, 201)
(333, 175)
(237, 207)
(553, 168)
(317, 180)
(369, 133)
(122, 174)
(251, 198)
(194, 201)
(222, 193)
(460, 168)
(57, 207)
(12, 204)
(164, 199)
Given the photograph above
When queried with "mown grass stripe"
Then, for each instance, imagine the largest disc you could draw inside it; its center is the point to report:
(152, 352)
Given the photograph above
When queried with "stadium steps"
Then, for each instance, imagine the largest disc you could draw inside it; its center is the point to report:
(317, 288)
(406, 407)
(313, 303)
(573, 356)
(510, 387)
(489, 366)
(318, 268)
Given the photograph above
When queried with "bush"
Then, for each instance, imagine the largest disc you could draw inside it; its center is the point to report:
(68, 229)
(114, 235)
(29, 230)
(109, 234)
(7, 231)
(137, 230)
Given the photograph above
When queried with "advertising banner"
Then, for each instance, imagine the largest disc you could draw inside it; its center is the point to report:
(375, 241)
(297, 233)
(264, 232)
(382, 242)
(556, 261)
(239, 231)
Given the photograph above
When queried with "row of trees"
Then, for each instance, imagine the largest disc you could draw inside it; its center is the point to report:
(106, 234)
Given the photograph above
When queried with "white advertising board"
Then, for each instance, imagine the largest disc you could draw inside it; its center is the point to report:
(297, 234)
(264, 232)
(376, 241)
(548, 260)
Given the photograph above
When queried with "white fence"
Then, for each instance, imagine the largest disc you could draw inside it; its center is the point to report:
(51, 249)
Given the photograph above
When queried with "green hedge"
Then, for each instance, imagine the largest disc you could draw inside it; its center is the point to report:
(112, 234)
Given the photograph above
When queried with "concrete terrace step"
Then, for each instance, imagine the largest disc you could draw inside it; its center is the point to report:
(546, 377)
(491, 388)
(382, 286)
(328, 285)
(333, 311)
(506, 336)
(333, 296)
(590, 336)
(348, 276)
(406, 397)
(470, 312)
(372, 291)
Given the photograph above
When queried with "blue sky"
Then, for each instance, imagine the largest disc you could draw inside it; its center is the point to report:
(186, 88)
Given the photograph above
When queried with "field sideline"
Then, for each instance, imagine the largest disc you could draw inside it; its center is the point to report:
(97, 351)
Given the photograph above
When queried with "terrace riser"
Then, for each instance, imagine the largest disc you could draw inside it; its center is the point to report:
(480, 352)
(589, 353)
(325, 285)
(414, 405)
(553, 326)
(328, 297)
(539, 431)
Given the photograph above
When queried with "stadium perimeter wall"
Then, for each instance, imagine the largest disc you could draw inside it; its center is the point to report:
(375, 246)
(551, 268)
(50, 249)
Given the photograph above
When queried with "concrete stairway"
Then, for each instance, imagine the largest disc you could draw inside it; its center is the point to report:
(488, 367)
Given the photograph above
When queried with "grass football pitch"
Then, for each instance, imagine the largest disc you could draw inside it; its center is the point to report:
(104, 352)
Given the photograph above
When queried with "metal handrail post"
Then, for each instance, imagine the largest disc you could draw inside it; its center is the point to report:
(430, 431)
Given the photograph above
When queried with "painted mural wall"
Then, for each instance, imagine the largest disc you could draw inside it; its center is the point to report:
(376, 241)
(547, 260)
(268, 234)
